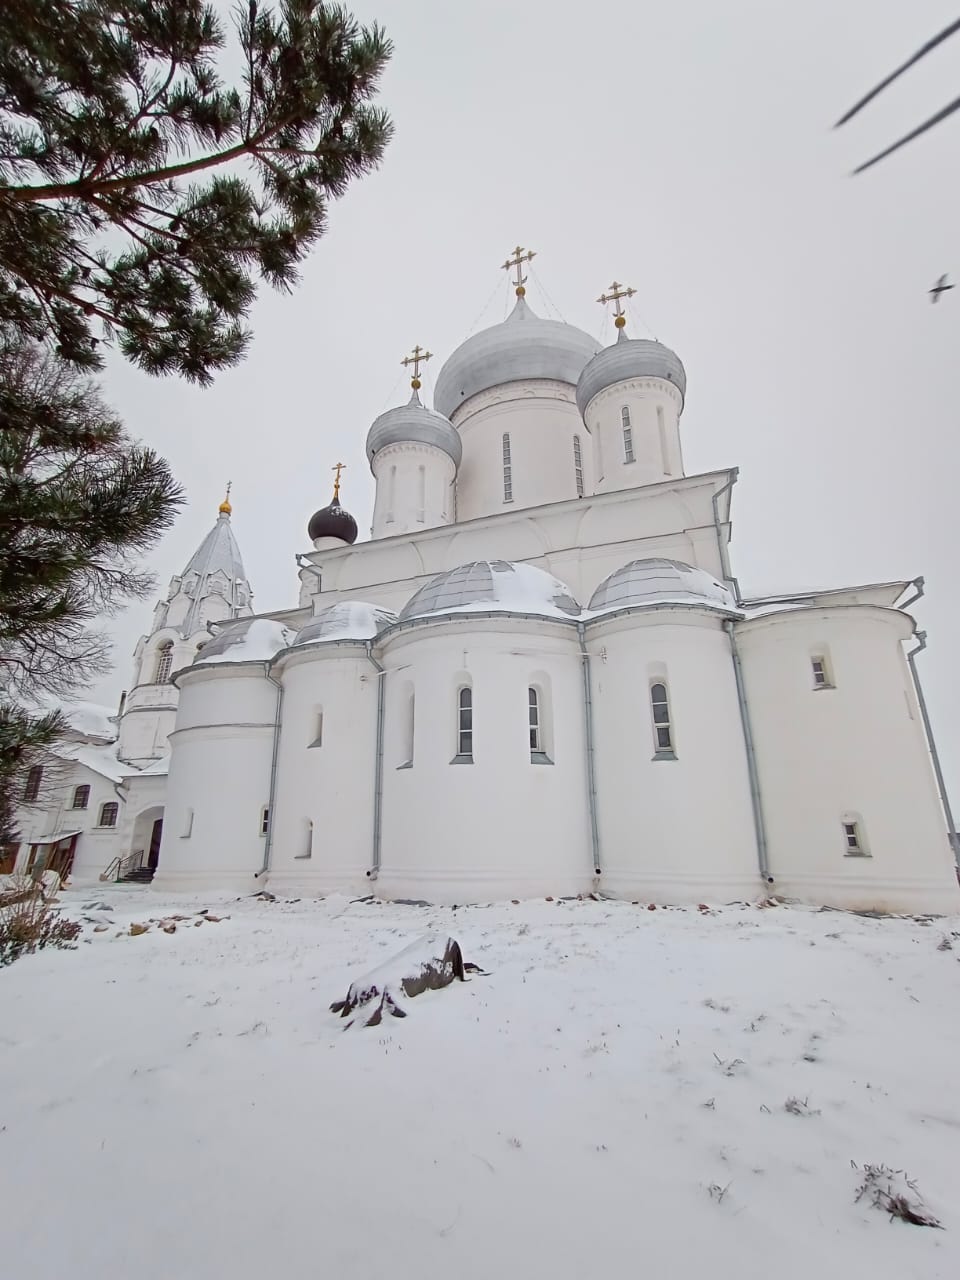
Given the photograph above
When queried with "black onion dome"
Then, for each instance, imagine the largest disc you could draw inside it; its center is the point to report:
(332, 522)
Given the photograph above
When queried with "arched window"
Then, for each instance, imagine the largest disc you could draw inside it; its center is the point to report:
(164, 662)
(108, 814)
(507, 469)
(662, 432)
(662, 729)
(32, 788)
(465, 724)
(628, 454)
(533, 703)
(421, 494)
(578, 465)
(81, 797)
(408, 712)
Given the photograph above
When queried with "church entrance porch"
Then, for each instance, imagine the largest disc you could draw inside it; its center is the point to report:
(144, 856)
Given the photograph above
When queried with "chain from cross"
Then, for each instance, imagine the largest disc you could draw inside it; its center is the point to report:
(515, 263)
(616, 294)
(340, 466)
(417, 357)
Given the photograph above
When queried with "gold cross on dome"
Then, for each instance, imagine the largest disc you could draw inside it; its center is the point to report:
(225, 507)
(515, 263)
(340, 466)
(616, 294)
(417, 357)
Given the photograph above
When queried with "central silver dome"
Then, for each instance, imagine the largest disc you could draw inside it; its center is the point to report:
(524, 346)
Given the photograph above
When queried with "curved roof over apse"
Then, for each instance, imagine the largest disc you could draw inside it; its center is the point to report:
(347, 620)
(251, 640)
(493, 586)
(523, 347)
(630, 358)
(414, 422)
(656, 581)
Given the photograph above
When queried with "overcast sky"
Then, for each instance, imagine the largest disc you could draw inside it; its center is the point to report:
(685, 148)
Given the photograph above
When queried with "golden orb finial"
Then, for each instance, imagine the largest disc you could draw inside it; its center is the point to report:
(225, 508)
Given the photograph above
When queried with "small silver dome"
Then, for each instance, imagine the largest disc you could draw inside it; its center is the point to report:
(492, 586)
(630, 358)
(413, 421)
(347, 620)
(524, 346)
(660, 582)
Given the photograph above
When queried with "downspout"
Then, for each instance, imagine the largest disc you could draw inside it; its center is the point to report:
(718, 525)
(591, 755)
(921, 637)
(759, 825)
(378, 767)
(268, 838)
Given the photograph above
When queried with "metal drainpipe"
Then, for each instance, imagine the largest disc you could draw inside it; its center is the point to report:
(758, 822)
(268, 838)
(591, 761)
(921, 637)
(378, 766)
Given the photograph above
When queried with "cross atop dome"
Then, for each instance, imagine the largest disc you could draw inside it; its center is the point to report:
(337, 467)
(225, 508)
(616, 295)
(417, 357)
(515, 263)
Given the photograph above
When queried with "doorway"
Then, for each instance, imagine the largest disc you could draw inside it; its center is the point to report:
(156, 835)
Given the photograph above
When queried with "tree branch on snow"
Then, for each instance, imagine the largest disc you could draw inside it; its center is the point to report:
(430, 963)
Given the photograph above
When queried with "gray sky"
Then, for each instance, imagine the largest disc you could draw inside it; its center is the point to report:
(683, 148)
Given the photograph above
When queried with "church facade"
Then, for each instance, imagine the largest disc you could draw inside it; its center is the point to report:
(540, 676)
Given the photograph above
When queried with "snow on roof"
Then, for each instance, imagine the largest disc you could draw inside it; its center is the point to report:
(251, 640)
(102, 760)
(493, 586)
(883, 594)
(346, 620)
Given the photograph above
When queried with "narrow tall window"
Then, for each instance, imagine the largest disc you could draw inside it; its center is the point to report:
(391, 494)
(264, 820)
(81, 797)
(421, 493)
(821, 672)
(465, 723)
(628, 454)
(578, 465)
(187, 831)
(852, 838)
(318, 730)
(409, 710)
(34, 778)
(164, 662)
(533, 702)
(108, 814)
(507, 469)
(662, 730)
(662, 433)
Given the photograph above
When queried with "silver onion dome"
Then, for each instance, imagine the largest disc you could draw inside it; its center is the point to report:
(629, 358)
(414, 422)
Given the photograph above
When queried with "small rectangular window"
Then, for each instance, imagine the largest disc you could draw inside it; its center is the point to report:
(852, 837)
(507, 469)
(534, 706)
(81, 797)
(108, 814)
(821, 672)
(578, 465)
(465, 723)
(264, 820)
(662, 730)
(32, 787)
(318, 731)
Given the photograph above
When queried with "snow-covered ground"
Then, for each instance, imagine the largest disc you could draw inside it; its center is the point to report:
(608, 1102)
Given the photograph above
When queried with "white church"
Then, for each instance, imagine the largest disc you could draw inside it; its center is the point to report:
(538, 677)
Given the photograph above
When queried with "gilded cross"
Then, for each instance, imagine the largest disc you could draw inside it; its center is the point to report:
(417, 357)
(617, 293)
(225, 507)
(515, 263)
(341, 466)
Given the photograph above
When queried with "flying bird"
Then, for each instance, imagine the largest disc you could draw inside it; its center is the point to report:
(940, 287)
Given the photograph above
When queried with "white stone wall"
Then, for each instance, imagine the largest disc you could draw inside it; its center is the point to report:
(654, 406)
(501, 827)
(670, 830)
(541, 419)
(853, 752)
(219, 778)
(322, 814)
(414, 489)
(97, 846)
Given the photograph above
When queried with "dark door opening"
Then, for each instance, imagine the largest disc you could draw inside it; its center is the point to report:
(155, 837)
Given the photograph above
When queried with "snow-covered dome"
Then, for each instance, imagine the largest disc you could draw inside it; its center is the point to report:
(493, 586)
(413, 421)
(348, 620)
(629, 358)
(660, 582)
(524, 346)
(249, 640)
